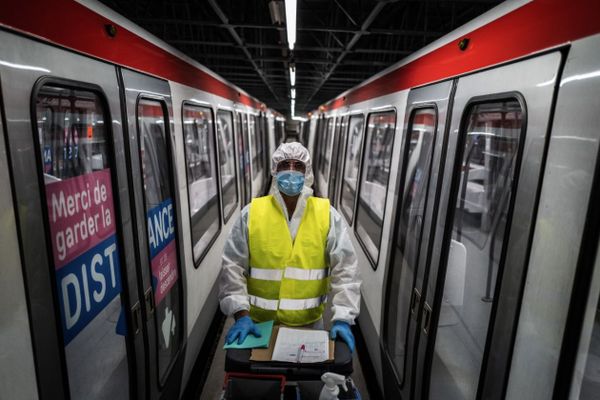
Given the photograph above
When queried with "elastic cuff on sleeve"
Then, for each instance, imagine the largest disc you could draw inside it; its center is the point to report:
(234, 303)
(341, 313)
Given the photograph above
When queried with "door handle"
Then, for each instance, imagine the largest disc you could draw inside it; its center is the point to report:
(415, 300)
(136, 317)
(149, 298)
(426, 318)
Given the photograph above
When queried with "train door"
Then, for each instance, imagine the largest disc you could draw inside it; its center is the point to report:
(477, 253)
(422, 156)
(157, 230)
(64, 139)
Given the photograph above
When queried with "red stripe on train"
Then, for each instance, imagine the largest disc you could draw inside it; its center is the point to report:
(538, 25)
(76, 27)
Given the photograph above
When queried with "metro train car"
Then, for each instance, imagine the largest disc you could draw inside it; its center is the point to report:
(469, 176)
(123, 164)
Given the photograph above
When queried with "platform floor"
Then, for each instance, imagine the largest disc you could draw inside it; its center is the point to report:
(214, 382)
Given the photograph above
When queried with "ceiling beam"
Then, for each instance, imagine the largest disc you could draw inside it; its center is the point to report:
(364, 27)
(284, 47)
(375, 31)
(240, 43)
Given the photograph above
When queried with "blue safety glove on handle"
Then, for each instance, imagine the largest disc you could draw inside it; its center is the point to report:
(241, 329)
(343, 329)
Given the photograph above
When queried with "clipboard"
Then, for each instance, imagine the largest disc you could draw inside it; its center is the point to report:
(266, 355)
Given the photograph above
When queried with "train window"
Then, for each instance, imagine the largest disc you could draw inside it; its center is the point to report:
(322, 141)
(201, 178)
(336, 158)
(161, 219)
(252, 127)
(263, 135)
(322, 123)
(326, 148)
(76, 164)
(247, 171)
(491, 137)
(352, 165)
(227, 161)
(418, 152)
(374, 182)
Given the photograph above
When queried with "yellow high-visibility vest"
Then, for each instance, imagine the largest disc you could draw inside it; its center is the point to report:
(288, 281)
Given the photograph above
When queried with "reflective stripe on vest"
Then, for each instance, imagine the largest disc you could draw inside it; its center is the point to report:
(287, 304)
(300, 274)
(288, 280)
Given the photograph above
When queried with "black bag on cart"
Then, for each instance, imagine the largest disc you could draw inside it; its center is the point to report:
(244, 386)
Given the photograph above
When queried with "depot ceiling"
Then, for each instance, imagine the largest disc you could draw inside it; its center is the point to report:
(336, 44)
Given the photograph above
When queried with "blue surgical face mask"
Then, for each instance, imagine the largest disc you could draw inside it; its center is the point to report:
(290, 182)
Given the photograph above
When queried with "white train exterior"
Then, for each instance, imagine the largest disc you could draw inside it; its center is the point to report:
(468, 174)
(123, 165)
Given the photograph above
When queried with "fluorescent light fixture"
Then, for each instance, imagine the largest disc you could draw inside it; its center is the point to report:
(290, 22)
(292, 75)
(293, 93)
(293, 107)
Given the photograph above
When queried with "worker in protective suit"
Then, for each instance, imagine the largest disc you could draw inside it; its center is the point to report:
(286, 254)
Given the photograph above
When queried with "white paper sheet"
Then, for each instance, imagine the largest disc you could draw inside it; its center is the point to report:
(301, 345)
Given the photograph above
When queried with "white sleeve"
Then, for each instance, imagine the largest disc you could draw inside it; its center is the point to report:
(343, 266)
(233, 291)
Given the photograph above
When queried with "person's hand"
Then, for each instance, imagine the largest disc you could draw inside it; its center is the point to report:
(343, 329)
(240, 330)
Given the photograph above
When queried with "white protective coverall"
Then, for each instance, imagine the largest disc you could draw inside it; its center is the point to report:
(344, 295)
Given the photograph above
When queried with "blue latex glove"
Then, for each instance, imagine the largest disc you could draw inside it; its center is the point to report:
(343, 329)
(241, 329)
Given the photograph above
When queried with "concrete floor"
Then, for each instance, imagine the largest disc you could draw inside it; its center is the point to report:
(214, 382)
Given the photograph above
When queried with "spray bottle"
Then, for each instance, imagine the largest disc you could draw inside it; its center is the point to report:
(331, 390)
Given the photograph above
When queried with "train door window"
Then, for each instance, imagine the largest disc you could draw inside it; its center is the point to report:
(257, 121)
(76, 165)
(418, 153)
(374, 182)
(227, 162)
(240, 155)
(327, 147)
(333, 157)
(322, 141)
(253, 143)
(278, 137)
(201, 178)
(261, 143)
(281, 129)
(247, 171)
(352, 165)
(161, 222)
(489, 163)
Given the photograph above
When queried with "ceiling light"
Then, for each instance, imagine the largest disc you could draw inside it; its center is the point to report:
(290, 22)
(292, 75)
(293, 93)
